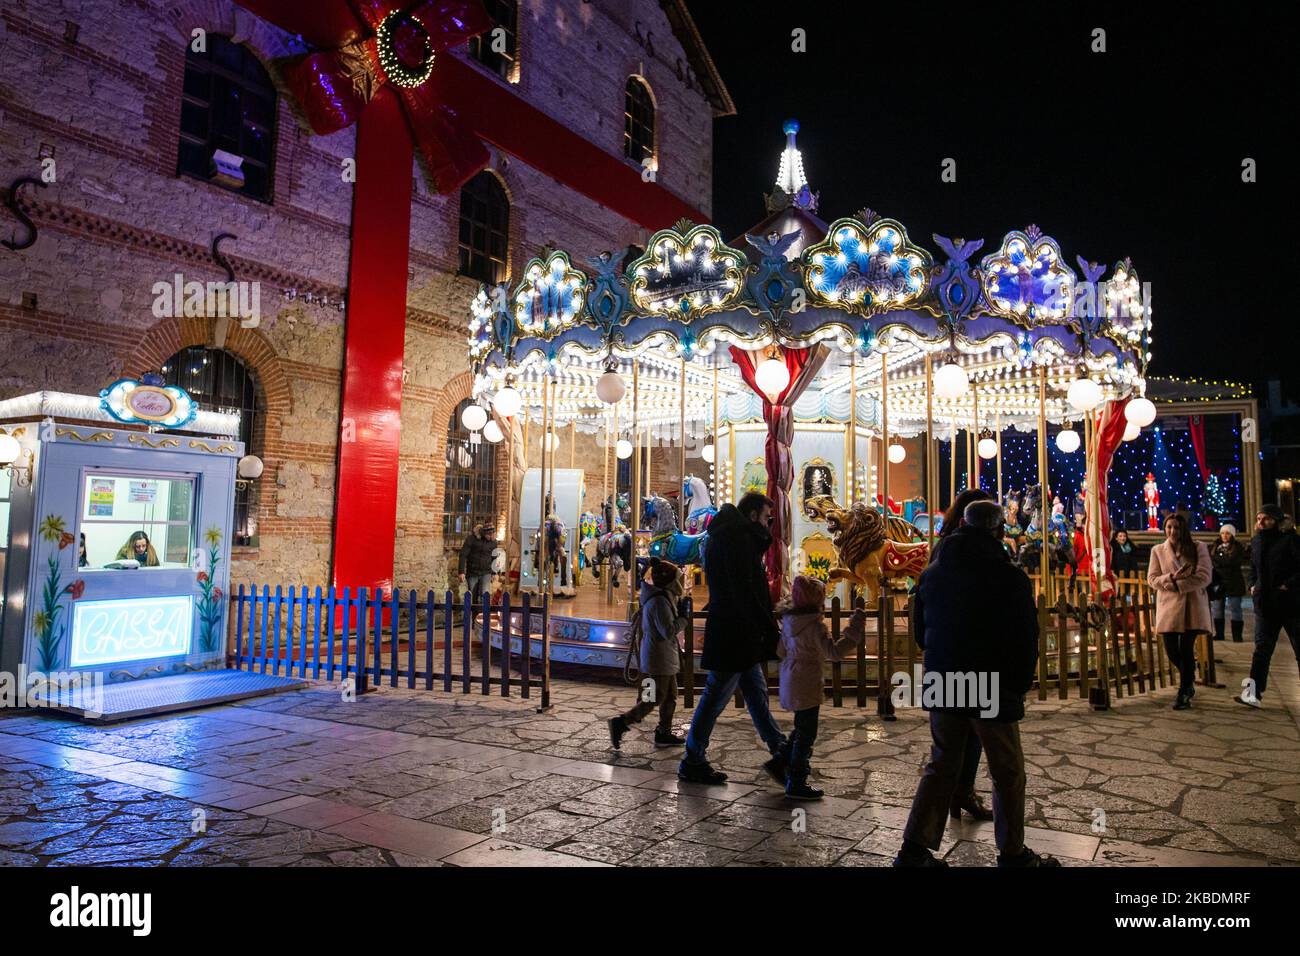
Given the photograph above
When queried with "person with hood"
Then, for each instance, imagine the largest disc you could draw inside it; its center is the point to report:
(660, 658)
(139, 548)
(805, 647)
(976, 621)
(474, 565)
(740, 633)
(1230, 558)
(1275, 571)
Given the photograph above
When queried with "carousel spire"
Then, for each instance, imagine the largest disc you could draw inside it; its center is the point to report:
(791, 182)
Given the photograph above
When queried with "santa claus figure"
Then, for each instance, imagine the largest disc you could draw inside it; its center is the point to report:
(1151, 491)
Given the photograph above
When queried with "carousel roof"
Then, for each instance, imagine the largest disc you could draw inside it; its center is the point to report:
(861, 287)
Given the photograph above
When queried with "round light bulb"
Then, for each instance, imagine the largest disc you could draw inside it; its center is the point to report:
(474, 417)
(950, 381)
(772, 377)
(508, 401)
(552, 442)
(623, 449)
(1084, 395)
(610, 387)
(1131, 431)
(1140, 412)
(9, 449)
(707, 453)
(492, 431)
(1067, 440)
(250, 467)
(897, 453)
(988, 448)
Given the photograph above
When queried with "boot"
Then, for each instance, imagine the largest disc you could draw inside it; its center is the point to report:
(617, 728)
(1028, 857)
(796, 788)
(913, 854)
(1237, 628)
(700, 773)
(778, 768)
(972, 804)
(1218, 628)
(666, 738)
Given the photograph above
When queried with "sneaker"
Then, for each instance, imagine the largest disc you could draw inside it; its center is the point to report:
(778, 768)
(666, 738)
(700, 773)
(617, 728)
(1028, 857)
(799, 790)
(913, 855)
(1182, 701)
(1252, 702)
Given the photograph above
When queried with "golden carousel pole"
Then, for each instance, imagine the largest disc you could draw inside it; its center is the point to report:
(851, 486)
(681, 458)
(636, 484)
(997, 427)
(522, 543)
(717, 452)
(611, 492)
(884, 435)
(542, 549)
(973, 444)
(931, 448)
(1044, 561)
(952, 459)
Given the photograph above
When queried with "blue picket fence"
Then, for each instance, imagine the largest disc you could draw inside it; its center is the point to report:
(368, 636)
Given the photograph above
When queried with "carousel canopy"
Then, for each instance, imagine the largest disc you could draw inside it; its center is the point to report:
(884, 307)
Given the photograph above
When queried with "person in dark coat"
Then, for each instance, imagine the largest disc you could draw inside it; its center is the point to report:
(660, 658)
(1275, 569)
(1229, 557)
(1123, 556)
(475, 563)
(976, 622)
(740, 633)
(965, 797)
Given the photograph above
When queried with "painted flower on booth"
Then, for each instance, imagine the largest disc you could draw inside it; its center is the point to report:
(77, 588)
(52, 528)
(209, 604)
(212, 536)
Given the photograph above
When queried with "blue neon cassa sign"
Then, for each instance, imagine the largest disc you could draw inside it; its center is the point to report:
(130, 629)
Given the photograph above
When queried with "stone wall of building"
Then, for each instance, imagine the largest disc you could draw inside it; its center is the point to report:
(96, 86)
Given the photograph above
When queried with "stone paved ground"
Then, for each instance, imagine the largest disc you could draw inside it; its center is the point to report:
(419, 779)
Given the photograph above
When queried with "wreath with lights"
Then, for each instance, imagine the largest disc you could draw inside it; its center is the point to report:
(395, 70)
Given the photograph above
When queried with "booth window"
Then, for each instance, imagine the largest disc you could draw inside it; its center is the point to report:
(484, 228)
(638, 121)
(228, 109)
(218, 381)
(498, 51)
(137, 517)
(470, 495)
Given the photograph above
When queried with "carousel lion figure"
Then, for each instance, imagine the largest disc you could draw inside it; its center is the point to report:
(868, 549)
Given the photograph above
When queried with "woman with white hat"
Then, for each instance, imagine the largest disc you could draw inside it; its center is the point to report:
(1230, 557)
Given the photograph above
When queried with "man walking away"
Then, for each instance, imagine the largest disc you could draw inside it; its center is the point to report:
(475, 563)
(739, 635)
(976, 622)
(1275, 563)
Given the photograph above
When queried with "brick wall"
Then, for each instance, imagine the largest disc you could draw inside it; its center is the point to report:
(76, 308)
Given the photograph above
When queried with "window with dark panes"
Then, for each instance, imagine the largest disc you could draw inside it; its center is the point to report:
(220, 382)
(638, 120)
(498, 51)
(484, 228)
(228, 105)
(470, 489)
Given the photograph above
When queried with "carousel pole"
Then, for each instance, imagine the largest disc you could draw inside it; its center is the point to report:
(851, 486)
(931, 460)
(681, 458)
(611, 493)
(543, 549)
(884, 434)
(997, 427)
(573, 442)
(519, 579)
(636, 485)
(952, 460)
(713, 423)
(1044, 560)
(972, 444)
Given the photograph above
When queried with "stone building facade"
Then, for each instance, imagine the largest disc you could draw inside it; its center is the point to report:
(91, 98)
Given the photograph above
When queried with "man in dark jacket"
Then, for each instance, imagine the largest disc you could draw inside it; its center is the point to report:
(976, 622)
(1275, 567)
(475, 564)
(739, 634)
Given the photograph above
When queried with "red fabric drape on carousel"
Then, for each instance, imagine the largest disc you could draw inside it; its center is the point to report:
(1108, 432)
(803, 364)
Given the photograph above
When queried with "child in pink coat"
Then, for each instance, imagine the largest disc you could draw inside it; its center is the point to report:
(805, 646)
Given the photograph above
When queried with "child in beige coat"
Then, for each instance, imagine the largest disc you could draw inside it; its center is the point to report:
(805, 646)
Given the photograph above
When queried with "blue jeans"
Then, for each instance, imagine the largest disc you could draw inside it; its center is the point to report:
(718, 690)
(1234, 608)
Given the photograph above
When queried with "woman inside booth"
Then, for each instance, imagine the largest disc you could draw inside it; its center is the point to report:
(139, 548)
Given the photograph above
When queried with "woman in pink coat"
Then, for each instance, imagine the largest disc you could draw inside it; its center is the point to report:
(805, 645)
(1178, 575)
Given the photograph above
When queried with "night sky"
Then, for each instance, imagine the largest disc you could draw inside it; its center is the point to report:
(1136, 151)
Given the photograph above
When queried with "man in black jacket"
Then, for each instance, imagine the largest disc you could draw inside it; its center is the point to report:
(739, 634)
(1275, 567)
(976, 622)
(475, 564)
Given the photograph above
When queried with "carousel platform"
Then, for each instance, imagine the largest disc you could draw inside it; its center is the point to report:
(125, 700)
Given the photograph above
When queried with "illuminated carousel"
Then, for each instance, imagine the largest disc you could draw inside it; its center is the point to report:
(802, 359)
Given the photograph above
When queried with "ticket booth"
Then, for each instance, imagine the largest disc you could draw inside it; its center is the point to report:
(116, 526)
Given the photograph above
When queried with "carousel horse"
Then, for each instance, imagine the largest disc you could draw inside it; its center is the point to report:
(698, 507)
(865, 546)
(612, 549)
(590, 527)
(666, 540)
(556, 539)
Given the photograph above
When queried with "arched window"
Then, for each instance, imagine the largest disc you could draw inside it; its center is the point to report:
(638, 121)
(228, 112)
(498, 51)
(218, 381)
(484, 228)
(470, 487)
